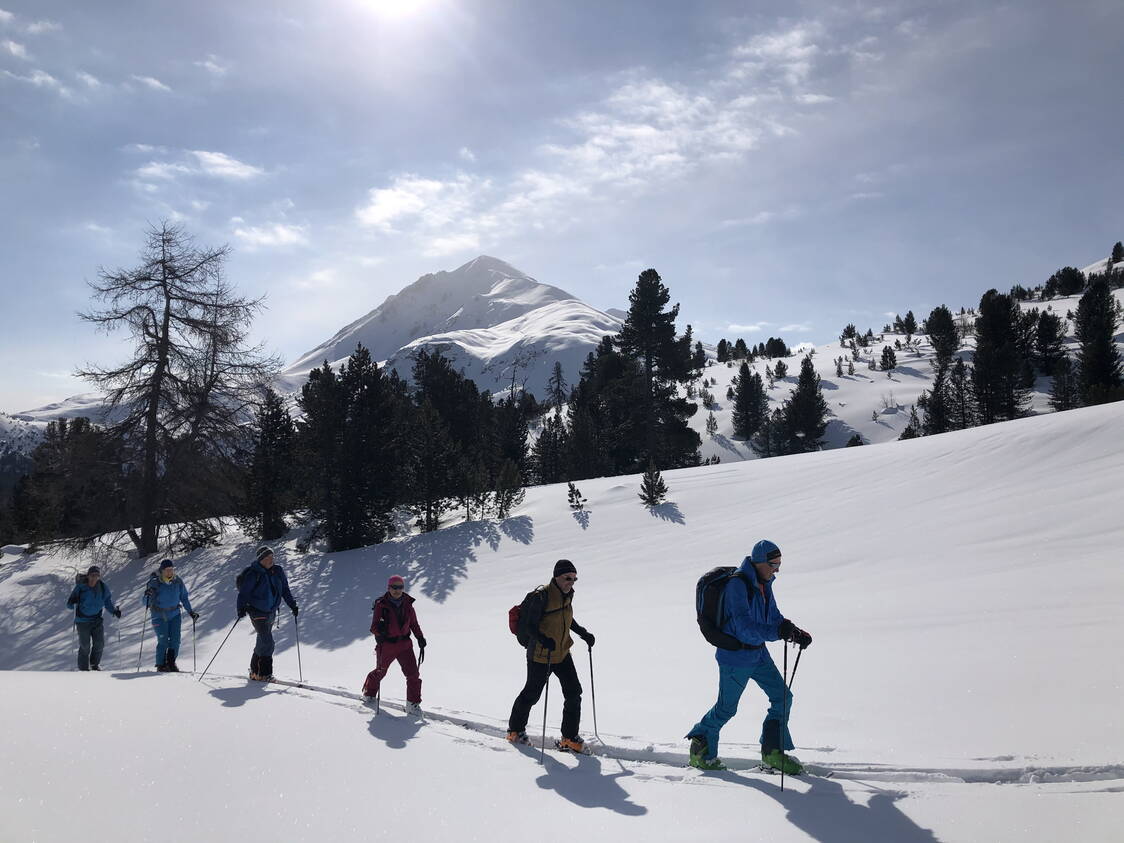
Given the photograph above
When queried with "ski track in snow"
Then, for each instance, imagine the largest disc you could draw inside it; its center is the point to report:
(666, 755)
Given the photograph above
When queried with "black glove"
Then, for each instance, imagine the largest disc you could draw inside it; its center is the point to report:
(194, 615)
(588, 638)
(296, 611)
(784, 631)
(802, 639)
(547, 643)
(241, 613)
(70, 601)
(788, 631)
(149, 593)
(117, 614)
(421, 642)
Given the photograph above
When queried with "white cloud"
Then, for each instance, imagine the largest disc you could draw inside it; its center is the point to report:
(222, 166)
(428, 202)
(467, 154)
(100, 230)
(6, 17)
(787, 55)
(813, 99)
(318, 280)
(40, 79)
(212, 65)
(162, 170)
(272, 235)
(41, 26)
(749, 329)
(152, 82)
(451, 245)
(14, 49)
(88, 79)
(796, 327)
(870, 194)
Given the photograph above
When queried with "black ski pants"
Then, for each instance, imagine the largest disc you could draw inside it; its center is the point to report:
(537, 676)
(90, 633)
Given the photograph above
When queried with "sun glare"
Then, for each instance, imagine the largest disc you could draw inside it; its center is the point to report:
(397, 10)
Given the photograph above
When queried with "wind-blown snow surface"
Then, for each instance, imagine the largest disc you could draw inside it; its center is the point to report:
(964, 592)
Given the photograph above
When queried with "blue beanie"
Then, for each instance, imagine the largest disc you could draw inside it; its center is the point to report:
(167, 563)
(764, 551)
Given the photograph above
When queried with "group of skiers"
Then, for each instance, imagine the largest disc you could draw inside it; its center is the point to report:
(748, 617)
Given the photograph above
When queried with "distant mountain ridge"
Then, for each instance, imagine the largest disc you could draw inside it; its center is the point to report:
(494, 321)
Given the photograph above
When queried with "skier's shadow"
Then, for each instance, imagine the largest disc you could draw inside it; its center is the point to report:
(826, 813)
(394, 731)
(240, 695)
(585, 785)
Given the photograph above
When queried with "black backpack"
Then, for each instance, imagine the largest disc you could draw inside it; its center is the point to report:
(523, 620)
(709, 610)
(241, 578)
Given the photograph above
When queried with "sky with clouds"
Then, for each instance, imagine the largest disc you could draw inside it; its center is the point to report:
(787, 167)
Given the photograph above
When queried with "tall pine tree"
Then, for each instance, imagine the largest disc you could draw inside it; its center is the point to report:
(1098, 359)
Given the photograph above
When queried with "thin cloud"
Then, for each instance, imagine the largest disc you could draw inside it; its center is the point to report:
(466, 154)
(89, 80)
(152, 82)
(212, 65)
(813, 99)
(40, 79)
(41, 26)
(271, 235)
(749, 329)
(221, 165)
(797, 327)
(14, 49)
(6, 17)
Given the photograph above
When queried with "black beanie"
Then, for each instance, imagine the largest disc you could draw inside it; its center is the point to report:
(564, 566)
(94, 569)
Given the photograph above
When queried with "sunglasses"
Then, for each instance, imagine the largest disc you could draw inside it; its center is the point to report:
(569, 579)
(772, 564)
(397, 587)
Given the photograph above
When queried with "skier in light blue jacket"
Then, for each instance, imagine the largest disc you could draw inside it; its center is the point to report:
(750, 614)
(89, 597)
(164, 595)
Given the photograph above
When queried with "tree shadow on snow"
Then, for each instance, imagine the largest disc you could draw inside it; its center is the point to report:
(582, 517)
(826, 813)
(668, 512)
(586, 785)
(395, 732)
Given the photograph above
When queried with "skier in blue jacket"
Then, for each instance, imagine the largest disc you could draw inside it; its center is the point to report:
(89, 597)
(164, 595)
(262, 587)
(750, 614)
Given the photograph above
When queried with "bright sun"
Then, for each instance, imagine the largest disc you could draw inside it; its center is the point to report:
(399, 9)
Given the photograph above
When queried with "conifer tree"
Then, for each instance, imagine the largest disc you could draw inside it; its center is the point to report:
(909, 325)
(943, 335)
(549, 457)
(433, 455)
(698, 362)
(741, 350)
(780, 371)
(997, 374)
(962, 410)
(1097, 356)
(1117, 253)
(1048, 342)
(934, 404)
(772, 439)
(723, 352)
(269, 479)
(805, 413)
(557, 389)
(653, 490)
(509, 489)
(855, 441)
(1065, 392)
(711, 425)
(574, 497)
(913, 426)
(889, 359)
(751, 405)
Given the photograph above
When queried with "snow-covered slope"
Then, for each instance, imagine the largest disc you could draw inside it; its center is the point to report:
(488, 316)
(963, 590)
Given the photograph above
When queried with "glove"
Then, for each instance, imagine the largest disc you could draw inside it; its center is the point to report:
(149, 593)
(803, 639)
(421, 642)
(788, 631)
(194, 615)
(547, 643)
(421, 651)
(784, 631)
(70, 601)
(117, 614)
(589, 639)
(296, 611)
(241, 613)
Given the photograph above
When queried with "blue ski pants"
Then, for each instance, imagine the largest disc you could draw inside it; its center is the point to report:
(167, 634)
(731, 683)
(91, 641)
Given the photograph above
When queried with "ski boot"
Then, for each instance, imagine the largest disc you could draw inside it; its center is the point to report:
(414, 710)
(776, 760)
(518, 738)
(170, 662)
(575, 745)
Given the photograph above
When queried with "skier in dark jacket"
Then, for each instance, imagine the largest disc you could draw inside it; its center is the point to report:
(750, 614)
(164, 595)
(89, 597)
(393, 621)
(550, 620)
(263, 586)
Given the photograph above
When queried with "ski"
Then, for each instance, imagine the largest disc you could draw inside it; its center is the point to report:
(810, 770)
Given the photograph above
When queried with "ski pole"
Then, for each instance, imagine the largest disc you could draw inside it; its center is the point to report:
(297, 627)
(545, 706)
(378, 701)
(784, 721)
(219, 650)
(144, 622)
(194, 666)
(593, 694)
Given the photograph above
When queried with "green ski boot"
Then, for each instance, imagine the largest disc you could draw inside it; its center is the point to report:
(777, 760)
(698, 757)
